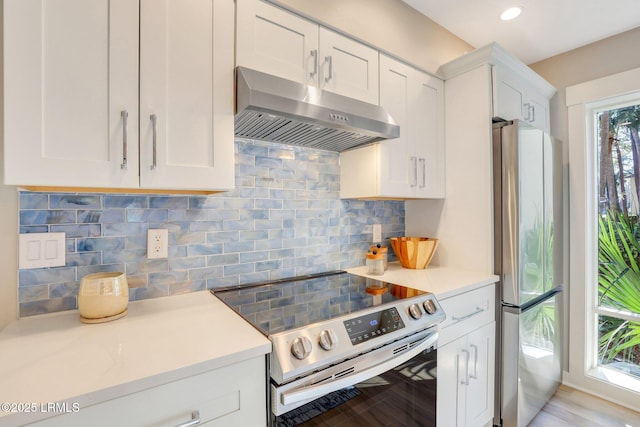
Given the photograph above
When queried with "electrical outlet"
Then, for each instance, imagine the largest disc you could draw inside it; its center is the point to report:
(157, 243)
(377, 233)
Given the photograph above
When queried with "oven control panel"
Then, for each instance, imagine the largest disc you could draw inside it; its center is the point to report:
(363, 328)
(322, 344)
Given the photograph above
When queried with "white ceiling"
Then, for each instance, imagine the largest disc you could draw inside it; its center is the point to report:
(544, 29)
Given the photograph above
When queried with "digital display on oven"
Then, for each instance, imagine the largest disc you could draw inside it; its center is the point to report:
(363, 328)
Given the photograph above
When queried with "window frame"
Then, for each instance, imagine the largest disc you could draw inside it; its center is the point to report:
(583, 102)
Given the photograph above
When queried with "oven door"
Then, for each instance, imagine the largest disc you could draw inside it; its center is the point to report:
(394, 385)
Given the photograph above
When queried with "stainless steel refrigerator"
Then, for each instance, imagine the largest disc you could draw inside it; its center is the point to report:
(528, 258)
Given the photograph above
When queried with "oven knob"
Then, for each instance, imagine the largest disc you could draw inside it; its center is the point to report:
(429, 306)
(301, 347)
(415, 312)
(327, 339)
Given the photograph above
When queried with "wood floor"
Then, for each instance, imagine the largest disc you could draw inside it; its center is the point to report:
(570, 407)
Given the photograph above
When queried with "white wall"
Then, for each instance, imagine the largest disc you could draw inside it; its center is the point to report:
(600, 59)
(463, 221)
(8, 229)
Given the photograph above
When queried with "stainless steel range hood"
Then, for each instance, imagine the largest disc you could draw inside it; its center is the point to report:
(270, 108)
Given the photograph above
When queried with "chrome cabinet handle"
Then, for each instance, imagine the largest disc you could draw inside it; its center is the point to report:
(478, 310)
(329, 59)
(475, 362)
(533, 113)
(154, 120)
(414, 171)
(465, 379)
(125, 115)
(424, 172)
(195, 420)
(314, 53)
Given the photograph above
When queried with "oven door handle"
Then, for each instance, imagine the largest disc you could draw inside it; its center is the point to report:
(314, 391)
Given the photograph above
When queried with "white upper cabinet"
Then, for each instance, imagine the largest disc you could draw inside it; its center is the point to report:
(348, 67)
(278, 42)
(186, 84)
(518, 92)
(515, 98)
(411, 166)
(426, 107)
(64, 93)
(79, 93)
(397, 161)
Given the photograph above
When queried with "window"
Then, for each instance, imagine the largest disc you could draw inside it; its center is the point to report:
(601, 351)
(618, 290)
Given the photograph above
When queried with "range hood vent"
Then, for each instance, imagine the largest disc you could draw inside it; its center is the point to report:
(270, 108)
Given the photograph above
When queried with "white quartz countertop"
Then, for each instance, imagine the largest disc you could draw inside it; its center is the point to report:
(444, 282)
(56, 358)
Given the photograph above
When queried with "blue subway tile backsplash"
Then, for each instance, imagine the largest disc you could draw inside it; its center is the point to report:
(285, 218)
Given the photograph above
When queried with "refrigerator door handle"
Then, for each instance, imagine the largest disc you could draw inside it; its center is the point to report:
(532, 303)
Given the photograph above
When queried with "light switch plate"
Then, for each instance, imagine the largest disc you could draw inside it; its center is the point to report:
(39, 250)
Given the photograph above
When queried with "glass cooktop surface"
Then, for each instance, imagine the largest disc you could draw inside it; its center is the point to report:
(300, 301)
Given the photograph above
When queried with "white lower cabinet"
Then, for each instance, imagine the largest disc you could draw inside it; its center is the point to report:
(466, 360)
(231, 396)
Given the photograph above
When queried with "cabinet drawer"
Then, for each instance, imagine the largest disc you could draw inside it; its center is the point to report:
(466, 312)
(233, 395)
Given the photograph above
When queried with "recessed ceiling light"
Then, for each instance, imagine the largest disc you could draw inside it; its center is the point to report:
(512, 12)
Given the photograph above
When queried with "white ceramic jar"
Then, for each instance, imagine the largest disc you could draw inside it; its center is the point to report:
(103, 297)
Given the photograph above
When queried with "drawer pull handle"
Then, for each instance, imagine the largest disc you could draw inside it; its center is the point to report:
(195, 420)
(478, 310)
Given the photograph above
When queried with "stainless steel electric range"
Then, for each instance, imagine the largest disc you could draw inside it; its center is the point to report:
(347, 350)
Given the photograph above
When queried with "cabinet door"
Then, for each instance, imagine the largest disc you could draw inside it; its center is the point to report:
(539, 112)
(186, 94)
(466, 369)
(450, 359)
(508, 96)
(480, 388)
(426, 112)
(411, 166)
(515, 98)
(277, 42)
(398, 165)
(70, 68)
(348, 67)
